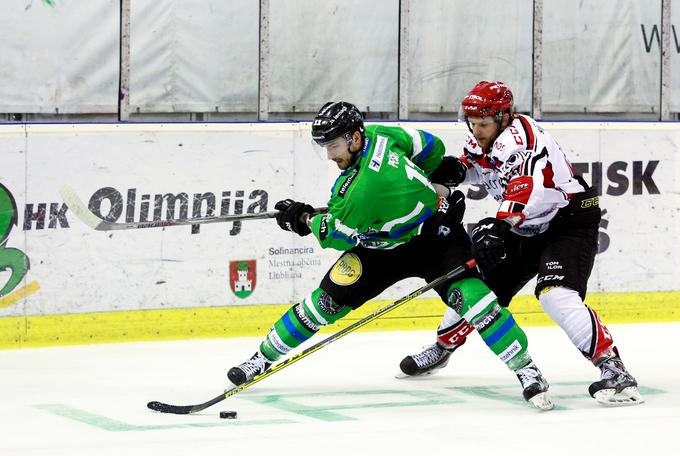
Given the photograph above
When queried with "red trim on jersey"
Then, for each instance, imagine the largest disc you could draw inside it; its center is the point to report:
(531, 139)
(517, 216)
(464, 160)
(548, 175)
(519, 189)
(515, 198)
(516, 220)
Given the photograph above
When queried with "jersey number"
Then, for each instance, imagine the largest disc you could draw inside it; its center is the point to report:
(412, 173)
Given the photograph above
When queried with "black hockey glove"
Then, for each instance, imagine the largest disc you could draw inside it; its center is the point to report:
(450, 172)
(488, 242)
(289, 217)
(456, 210)
(449, 215)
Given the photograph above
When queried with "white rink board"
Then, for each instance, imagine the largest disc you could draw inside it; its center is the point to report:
(81, 270)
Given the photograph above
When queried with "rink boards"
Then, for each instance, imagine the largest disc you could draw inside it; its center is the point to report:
(78, 285)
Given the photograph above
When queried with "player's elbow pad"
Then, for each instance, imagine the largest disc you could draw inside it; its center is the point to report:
(450, 172)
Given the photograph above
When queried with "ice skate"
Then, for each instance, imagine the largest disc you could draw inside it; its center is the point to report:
(616, 386)
(535, 387)
(245, 372)
(427, 362)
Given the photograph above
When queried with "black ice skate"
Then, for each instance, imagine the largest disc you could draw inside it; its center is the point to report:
(427, 362)
(245, 372)
(535, 387)
(616, 386)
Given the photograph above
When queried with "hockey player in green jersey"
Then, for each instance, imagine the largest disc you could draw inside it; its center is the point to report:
(392, 219)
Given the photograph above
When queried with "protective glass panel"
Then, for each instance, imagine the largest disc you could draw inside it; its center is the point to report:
(194, 56)
(601, 56)
(453, 44)
(675, 50)
(333, 50)
(59, 57)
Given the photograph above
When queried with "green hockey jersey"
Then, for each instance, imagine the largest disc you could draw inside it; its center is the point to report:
(382, 200)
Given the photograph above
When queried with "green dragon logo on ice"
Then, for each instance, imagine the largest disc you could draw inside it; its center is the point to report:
(10, 258)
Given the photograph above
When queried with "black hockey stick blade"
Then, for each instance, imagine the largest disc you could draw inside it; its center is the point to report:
(78, 207)
(186, 409)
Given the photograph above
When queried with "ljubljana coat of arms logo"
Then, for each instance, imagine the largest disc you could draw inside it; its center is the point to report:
(242, 277)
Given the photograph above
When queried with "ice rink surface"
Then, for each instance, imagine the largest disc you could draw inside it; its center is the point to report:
(341, 400)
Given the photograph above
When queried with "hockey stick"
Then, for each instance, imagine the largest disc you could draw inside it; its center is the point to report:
(186, 409)
(78, 207)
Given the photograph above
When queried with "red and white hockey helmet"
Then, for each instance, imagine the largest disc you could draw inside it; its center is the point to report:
(488, 99)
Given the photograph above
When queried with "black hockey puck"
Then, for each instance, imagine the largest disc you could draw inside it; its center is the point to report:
(228, 414)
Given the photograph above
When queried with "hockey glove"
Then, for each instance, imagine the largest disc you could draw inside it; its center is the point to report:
(488, 242)
(450, 172)
(449, 215)
(289, 217)
(456, 210)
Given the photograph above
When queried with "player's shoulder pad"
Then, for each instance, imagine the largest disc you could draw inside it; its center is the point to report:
(371, 128)
(394, 134)
(510, 141)
(386, 130)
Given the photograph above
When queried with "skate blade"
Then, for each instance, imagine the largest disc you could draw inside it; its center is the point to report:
(401, 376)
(627, 396)
(542, 402)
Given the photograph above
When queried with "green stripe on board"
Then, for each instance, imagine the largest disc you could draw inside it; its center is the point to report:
(239, 321)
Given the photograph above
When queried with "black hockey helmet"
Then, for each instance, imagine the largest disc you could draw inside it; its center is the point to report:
(335, 119)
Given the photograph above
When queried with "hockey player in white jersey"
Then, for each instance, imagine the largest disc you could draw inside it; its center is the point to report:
(546, 226)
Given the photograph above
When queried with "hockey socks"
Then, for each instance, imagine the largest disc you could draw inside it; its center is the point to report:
(581, 323)
(478, 305)
(452, 331)
(301, 322)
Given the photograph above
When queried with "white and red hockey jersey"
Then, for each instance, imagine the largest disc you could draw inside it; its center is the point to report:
(526, 172)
